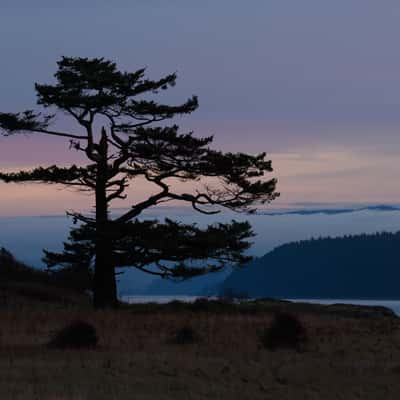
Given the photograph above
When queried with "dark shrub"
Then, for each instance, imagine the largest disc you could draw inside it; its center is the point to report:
(286, 331)
(210, 305)
(78, 278)
(233, 294)
(176, 305)
(201, 304)
(77, 335)
(185, 335)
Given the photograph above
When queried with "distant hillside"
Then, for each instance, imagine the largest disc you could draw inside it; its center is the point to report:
(18, 280)
(362, 266)
(13, 270)
(333, 211)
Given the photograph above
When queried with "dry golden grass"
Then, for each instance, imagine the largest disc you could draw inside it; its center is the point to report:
(345, 358)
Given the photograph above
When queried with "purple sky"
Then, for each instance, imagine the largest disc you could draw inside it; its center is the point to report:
(315, 83)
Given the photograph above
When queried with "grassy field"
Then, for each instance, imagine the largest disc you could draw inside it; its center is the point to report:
(346, 356)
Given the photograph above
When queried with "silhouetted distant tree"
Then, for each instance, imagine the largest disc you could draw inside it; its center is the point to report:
(74, 264)
(122, 137)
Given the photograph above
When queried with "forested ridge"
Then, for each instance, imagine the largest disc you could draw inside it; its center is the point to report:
(353, 266)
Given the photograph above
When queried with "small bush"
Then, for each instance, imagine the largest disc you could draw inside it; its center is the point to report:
(233, 294)
(286, 331)
(201, 304)
(77, 335)
(185, 335)
(211, 306)
(176, 306)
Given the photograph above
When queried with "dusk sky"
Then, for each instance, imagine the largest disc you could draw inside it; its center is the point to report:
(314, 83)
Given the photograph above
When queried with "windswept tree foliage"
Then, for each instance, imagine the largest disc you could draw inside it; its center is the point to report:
(123, 136)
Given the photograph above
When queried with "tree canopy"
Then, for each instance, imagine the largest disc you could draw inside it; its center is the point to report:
(125, 136)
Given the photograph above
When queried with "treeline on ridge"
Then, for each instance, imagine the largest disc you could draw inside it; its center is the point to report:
(14, 271)
(353, 266)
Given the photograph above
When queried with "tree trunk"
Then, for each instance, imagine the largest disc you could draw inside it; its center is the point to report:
(104, 283)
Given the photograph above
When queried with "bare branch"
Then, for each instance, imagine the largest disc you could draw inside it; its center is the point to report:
(61, 134)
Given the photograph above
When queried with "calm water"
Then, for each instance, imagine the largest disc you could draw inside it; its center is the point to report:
(158, 299)
(392, 304)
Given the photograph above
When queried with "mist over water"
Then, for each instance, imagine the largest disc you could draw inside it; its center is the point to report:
(25, 237)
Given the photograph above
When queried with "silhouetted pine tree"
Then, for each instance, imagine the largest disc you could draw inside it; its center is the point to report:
(132, 144)
(75, 263)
